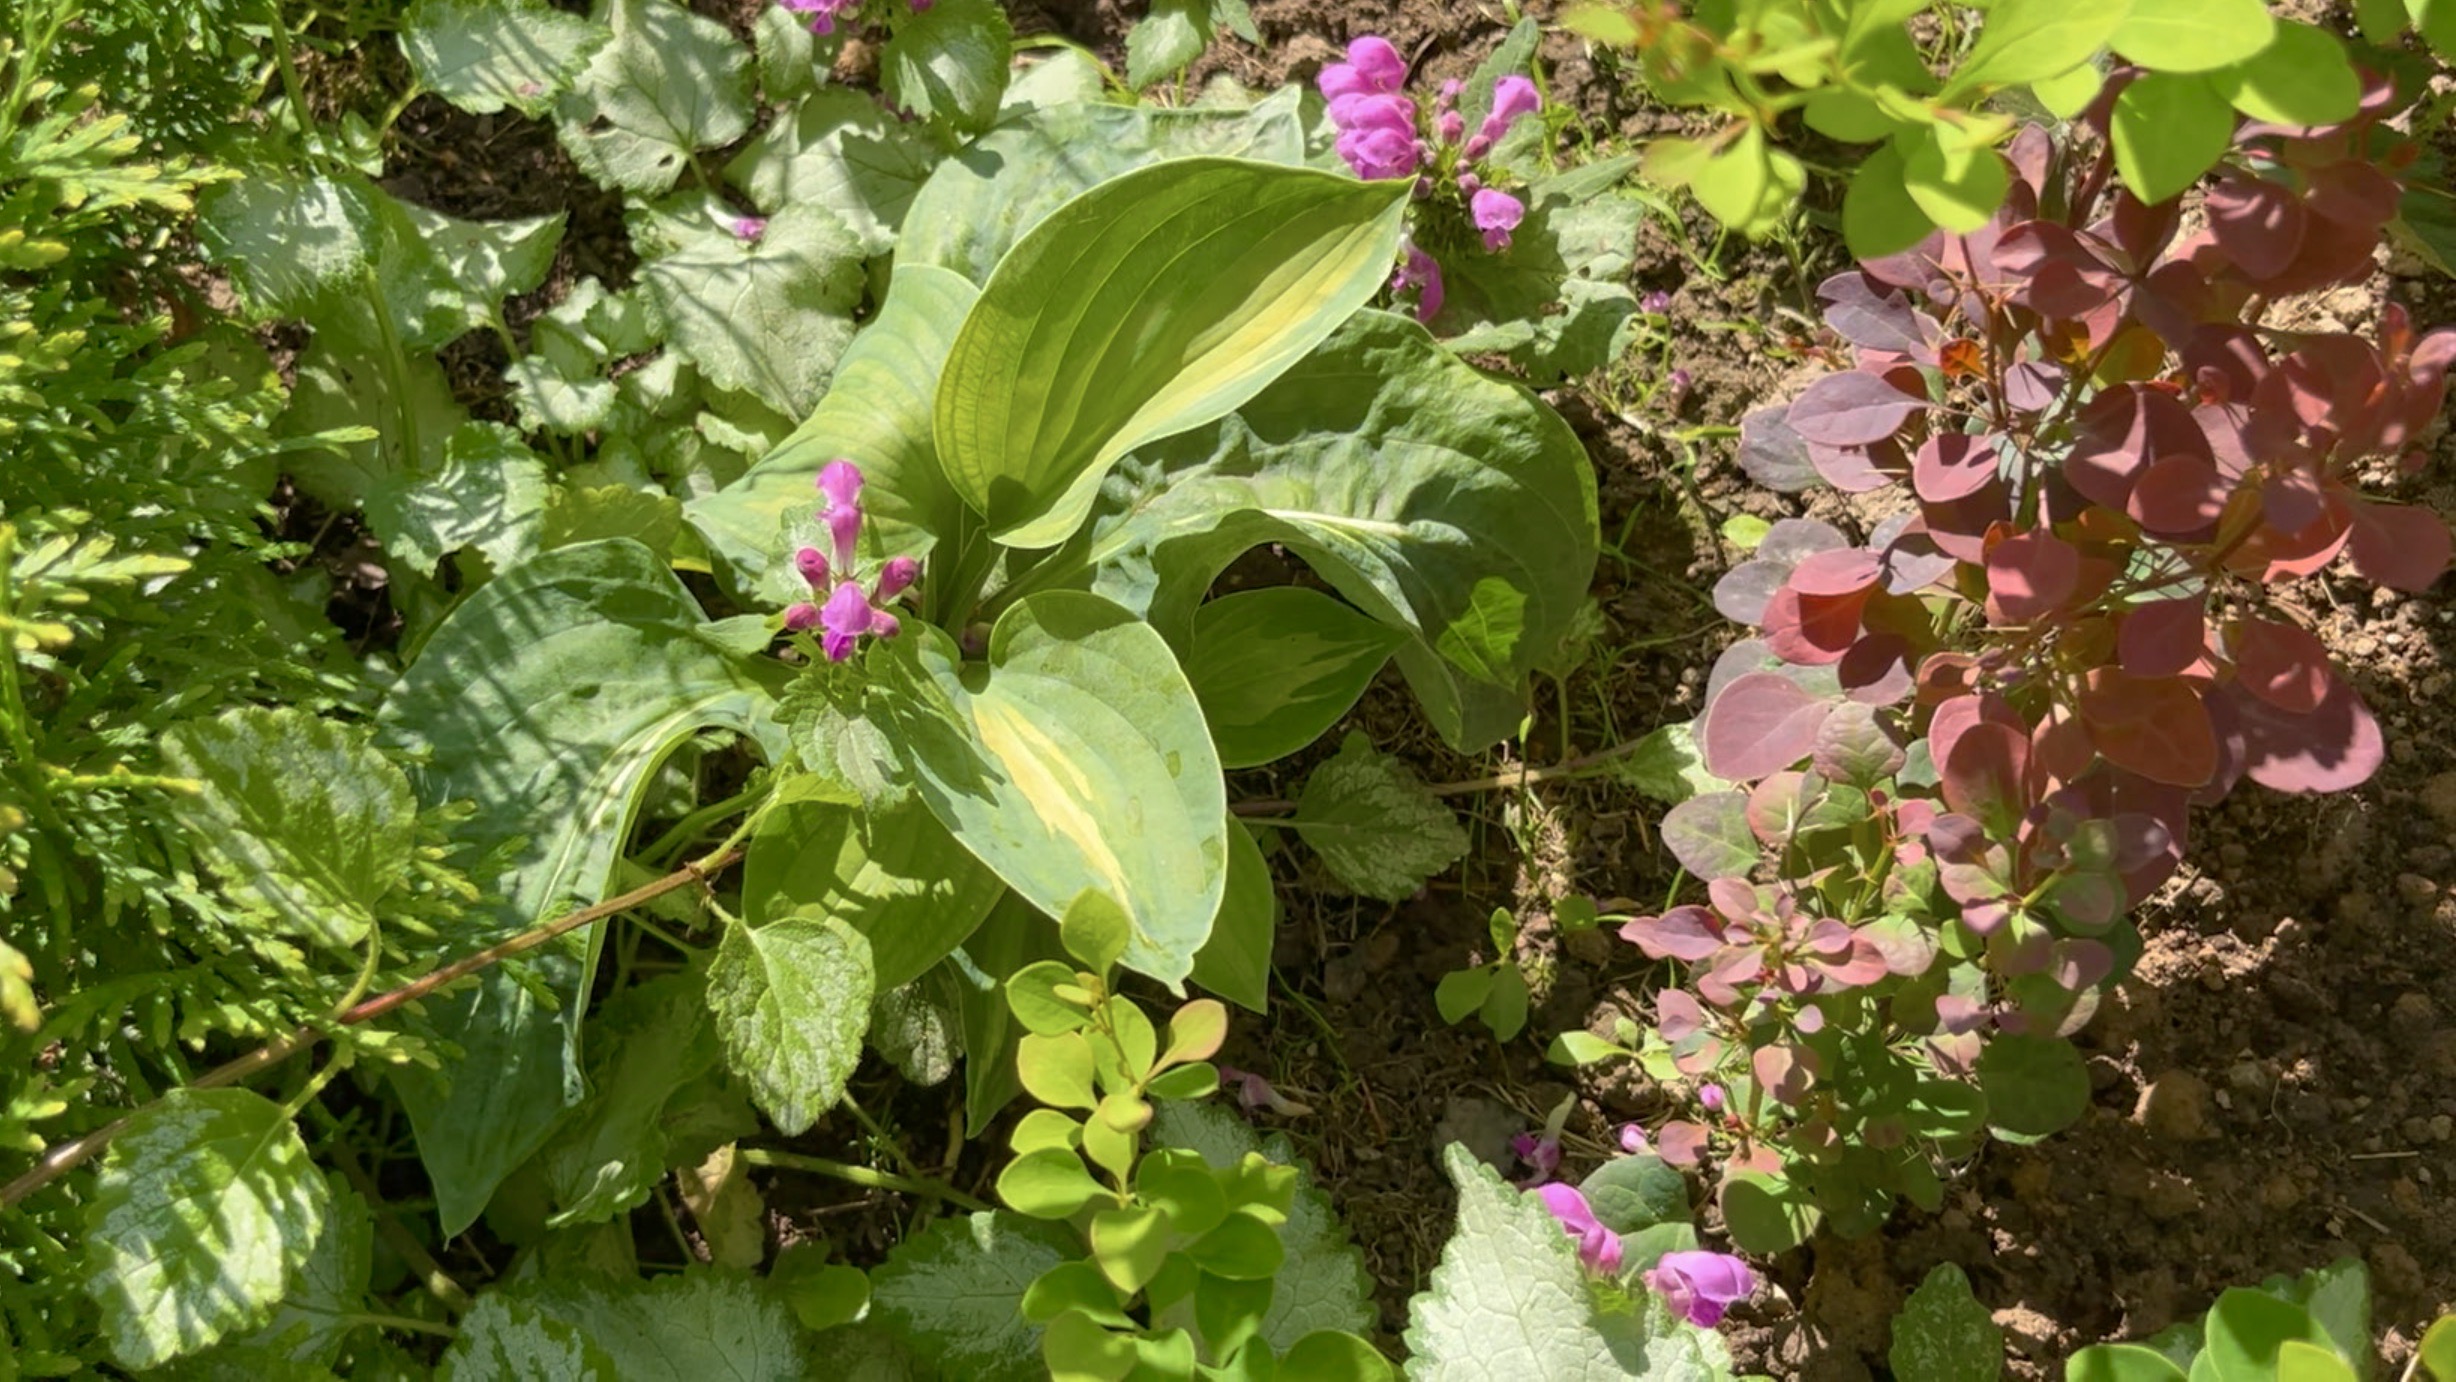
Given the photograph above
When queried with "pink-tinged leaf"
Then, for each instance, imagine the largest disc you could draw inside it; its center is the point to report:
(2117, 433)
(1952, 465)
(2293, 501)
(1863, 964)
(1959, 1014)
(1850, 469)
(2178, 496)
(1832, 575)
(2403, 546)
(2081, 964)
(2033, 385)
(1793, 540)
(2088, 900)
(1954, 717)
(2162, 638)
(1877, 316)
(2060, 750)
(1986, 776)
(1720, 983)
(2335, 747)
(1678, 1016)
(1851, 409)
(2026, 948)
(1913, 561)
(1853, 747)
(1736, 900)
(1683, 933)
(1959, 527)
(2353, 192)
(1812, 631)
(2258, 224)
(1762, 723)
(1781, 1073)
(2154, 726)
(1773, 455)
(1680, 1144)
(1745, 590)
(1876, 671)
(2282, 665)
(2232, 353)
(2030, 576)
(1709, 835)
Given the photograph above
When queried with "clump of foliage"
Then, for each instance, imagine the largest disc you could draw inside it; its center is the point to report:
(1971, 743)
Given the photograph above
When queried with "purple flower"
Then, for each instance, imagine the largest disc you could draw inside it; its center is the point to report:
(1372, 65)
(1598, 1247)
(847, 616)
(1657, 302)
(1633, 1139)
(895, 578)
(1700, 1286)
(1376, 123)
(1422, 274)
(1512, 98)
(1542, 1155)
(1451, 126)
(812, 563)
(1496, 214)
(1255, 1093)
(1377, 153)
(801, 617)
(1712, 1097)
(840, 482)
(823, 13)
(749, 227)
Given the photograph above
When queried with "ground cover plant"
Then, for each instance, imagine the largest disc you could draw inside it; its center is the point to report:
(700, 771)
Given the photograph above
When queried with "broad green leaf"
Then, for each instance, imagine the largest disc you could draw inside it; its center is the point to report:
(204, 1212)
(1944, 1335)
(2168, 36)
(2121, 1363)
(1959, 189)
(2438, 1350)
(947, 64)
(1509, 1301)
(1275, 668)
(1087, 341)
(1437, 500)
(2435, 21)
(792, 999)
(2033, 40)
(669, 84)
(1879, 216)
(2339, 1298)
(1766, 1213)
(505, 1336)
(890, 872)
(877, 415)
(484, 55)
(914, 1028)
(1014, 936)
(1078, 759)
(547, 699)
(769, 315)
(343, 383)
(291, 244)
(1630, 1194)
(1322, 1283)
(1067, 75)
(2247, 1328)
(2068, 95)
(579, 514)
(689, 1327)
(2303, 77)
(980, 202)
(2301, 1361)
(1166, 40)
(487, 495)
(645, 1044)
(837, 149)
(952, 1293)
(328, 1299)
(1666, 766)
(1235, 962)
(300, 815)
(487, 261)
(2035, 1086)
(1730, 182)
(1378, 831)
(2168, 130)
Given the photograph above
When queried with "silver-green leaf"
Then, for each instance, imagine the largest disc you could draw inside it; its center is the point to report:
(484, 55)
(792, 999)
(952, 1293)
(669, 84)
(1376, 828)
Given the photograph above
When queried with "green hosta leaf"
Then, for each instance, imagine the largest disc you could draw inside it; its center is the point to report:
(890, 872)
(1322, 1284)
(1944, 1335)
(1085, 344)
(669, 84)
(948, 63)
(877, 415)
(1015, 935)
(769, 315)
(504, 1336)
(1439, 501)
(985, 198)
(2168, 130)
(690, 1327)
(484, 55)
(1166, 40)
(300, 815)
(205, 1211)
(792, 999)
(2191, 35)
(2303, 77)
(2033, 40)
(952, 1293)
(547, 698)
(1377, 830)
(1235, 962)
(487, 496)
(2035, 1086)
(645, 1044)
(838, 150)
(1078, 759)
(1509, 1301)
(594, 513)
(1276, 668)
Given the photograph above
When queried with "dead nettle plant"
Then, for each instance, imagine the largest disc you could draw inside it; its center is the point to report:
(1967, 746)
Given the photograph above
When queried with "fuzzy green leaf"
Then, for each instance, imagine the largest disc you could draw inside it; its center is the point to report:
(953, 1293)
(768, 315)
(838, 150)
(484, 55)
(1944, 1335)
(890, 872)
(1377, 830)
(1166, 40)
(669, 84)
(948, 63)
(792, 999)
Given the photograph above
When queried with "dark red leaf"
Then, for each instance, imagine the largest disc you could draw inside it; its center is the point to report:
(2154, 726)
(1773, 455)
(1959, 527)
(2033, 385)
(2060, 749)
(2293, 501)
(1878, 316)
(1956, 716)
(2030, 576)
(2273, 554)
(1836, 574)
(2118, 431)
(2334, 748)
(1851, 409)
(2162, 638)
(1876, 670)
(1952, 465)
(2399, 545)
(1913, 561)
(2178, 496)
(2282, 665)
(1985, 776)
(1850, 469)
(1812, 631)
(1761, 723)
(2257, 223)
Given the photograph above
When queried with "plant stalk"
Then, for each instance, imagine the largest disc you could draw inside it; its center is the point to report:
(863, 1176)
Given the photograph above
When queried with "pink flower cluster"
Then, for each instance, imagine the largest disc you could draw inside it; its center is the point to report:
(824, 13)
(1381, 137)
(847, 613)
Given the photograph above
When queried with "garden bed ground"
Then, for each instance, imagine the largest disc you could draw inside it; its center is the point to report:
(2276, 1085)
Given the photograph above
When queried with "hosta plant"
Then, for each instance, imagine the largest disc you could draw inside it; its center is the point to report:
(1968, 745)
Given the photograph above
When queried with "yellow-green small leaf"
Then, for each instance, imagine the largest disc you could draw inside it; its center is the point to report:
(1057, 1070)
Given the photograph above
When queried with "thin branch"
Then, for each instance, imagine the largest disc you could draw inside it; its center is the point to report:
(861, 1175)
(68, 1155)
